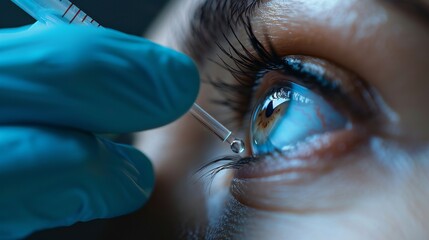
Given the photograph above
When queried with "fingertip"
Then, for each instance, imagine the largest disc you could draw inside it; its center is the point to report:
(187, 81)
(187, 74)
(183, 83)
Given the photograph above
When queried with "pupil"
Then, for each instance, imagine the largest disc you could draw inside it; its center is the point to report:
(269, 111)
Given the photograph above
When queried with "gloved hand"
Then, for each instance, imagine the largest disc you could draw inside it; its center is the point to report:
(59, 86)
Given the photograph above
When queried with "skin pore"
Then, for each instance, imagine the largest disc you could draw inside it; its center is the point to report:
(376, 190)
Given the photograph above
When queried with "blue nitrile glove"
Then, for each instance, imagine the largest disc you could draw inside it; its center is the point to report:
(58, 86)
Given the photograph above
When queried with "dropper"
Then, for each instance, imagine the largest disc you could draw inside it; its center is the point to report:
(237, 145)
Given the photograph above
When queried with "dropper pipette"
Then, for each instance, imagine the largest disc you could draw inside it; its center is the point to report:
(53, 11)
(237, 145)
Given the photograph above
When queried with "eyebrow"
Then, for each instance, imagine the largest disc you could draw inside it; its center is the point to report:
(213, 19)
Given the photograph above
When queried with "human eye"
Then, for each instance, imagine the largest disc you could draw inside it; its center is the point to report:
(288, 113)
(299, 110)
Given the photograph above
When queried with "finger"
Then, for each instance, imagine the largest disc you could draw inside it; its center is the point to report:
(97, 80)
(51, 177)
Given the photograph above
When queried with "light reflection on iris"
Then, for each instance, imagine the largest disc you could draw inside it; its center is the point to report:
(287, 114)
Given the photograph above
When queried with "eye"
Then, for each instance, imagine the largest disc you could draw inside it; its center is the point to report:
(299, 112)
(288, 113)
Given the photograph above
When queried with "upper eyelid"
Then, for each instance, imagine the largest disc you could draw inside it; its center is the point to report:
(248, 62)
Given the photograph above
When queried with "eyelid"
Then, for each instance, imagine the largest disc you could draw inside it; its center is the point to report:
(252, 61)
(310, 153)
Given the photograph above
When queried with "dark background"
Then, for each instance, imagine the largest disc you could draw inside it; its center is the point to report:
(130, 16)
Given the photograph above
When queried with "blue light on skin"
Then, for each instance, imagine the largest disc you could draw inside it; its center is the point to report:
(289, 114)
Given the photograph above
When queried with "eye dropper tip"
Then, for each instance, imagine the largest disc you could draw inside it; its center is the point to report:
(238, 146)
(224, 134)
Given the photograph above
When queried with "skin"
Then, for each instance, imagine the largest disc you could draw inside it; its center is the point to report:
(375, 190)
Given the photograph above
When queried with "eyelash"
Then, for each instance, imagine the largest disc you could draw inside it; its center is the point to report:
(251, 67)
(236, 96)
(225, 163)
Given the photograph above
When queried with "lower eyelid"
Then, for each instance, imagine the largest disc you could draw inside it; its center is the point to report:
(311, 157)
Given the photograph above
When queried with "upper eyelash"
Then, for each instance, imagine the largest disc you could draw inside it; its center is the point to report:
(248, 65)
(207, 17)
(251, 64)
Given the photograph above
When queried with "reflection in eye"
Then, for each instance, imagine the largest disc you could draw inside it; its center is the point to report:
(287, 114)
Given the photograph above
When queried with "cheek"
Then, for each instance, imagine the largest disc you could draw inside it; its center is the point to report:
(381, 196)
(375, 169)
(382, 220)
(338, 187)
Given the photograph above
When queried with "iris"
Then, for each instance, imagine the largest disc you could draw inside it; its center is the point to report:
(287, 114)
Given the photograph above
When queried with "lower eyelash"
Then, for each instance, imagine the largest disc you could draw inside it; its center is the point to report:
(226, 163)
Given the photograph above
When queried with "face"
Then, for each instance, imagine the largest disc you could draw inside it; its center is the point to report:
(330, 99)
